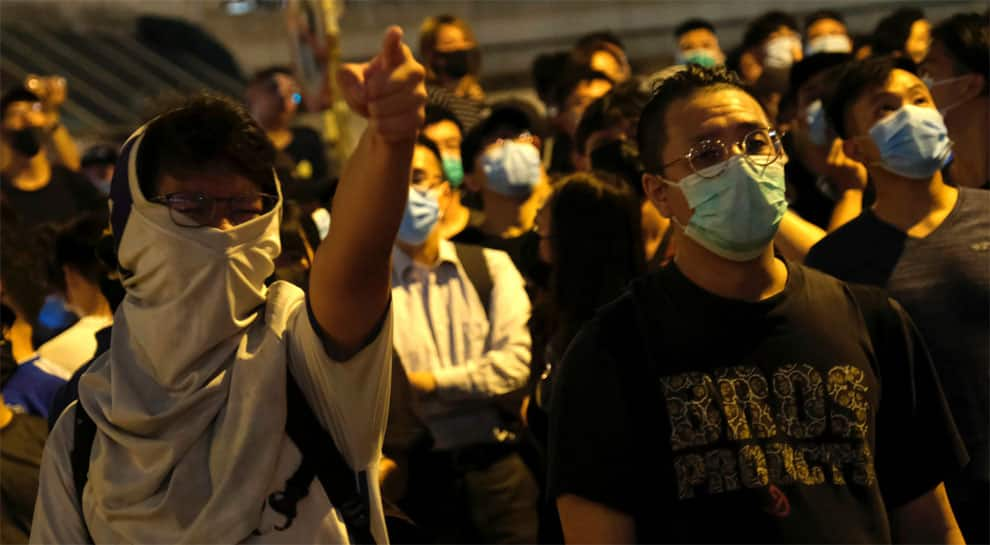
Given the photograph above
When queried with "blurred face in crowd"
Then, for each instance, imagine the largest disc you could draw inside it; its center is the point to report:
(812, 155)
(612, 62)
(427, 178)
(452, 38)
(699, 38)
(919, 40)
(447, 137)
(950, 88)
(726, 114)
(274, 101)
(477, 180)
(901, 88)
(22, 130)
(584, 94)
(826, 27)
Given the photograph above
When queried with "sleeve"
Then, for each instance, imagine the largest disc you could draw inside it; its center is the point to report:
(591, 445)
(504, 368)
(918, 446)
(350, 398)
(57, 516)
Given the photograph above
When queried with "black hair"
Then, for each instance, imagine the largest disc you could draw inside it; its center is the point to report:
(893, 31)
(75, 246)
(546, 71)
(597, 244)
(100, 154)
(651, 134)
(811, 66)
(693, 24)
(822, 14)
(623, 104)
(266, 74)
(436, 113)
(18, 93)
(22, 263)
(763, 26)
(511, 117)
(206, 134)
(856, 78)
(589, 43)
(966, 37)
(574, 75)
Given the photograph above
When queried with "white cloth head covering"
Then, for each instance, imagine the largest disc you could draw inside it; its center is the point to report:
(187, 404)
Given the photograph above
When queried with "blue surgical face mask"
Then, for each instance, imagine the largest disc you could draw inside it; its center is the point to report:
(512, 169)
(737, 213)
(700, 56)
(830, 43)
(779, 52)
(421, 215)
(913, 142)
(453, 170)
(817, 126)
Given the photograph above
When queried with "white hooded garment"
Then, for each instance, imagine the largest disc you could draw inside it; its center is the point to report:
(190, 401)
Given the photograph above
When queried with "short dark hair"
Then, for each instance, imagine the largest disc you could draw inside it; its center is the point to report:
(574, 75)
(595, 41)
(652, 130)
(855, 79)
(18, 93)
(623, 103)
(546, 71)
(75, 246)
(434, 149)
(436, 113)
(763, 26)
(966, 36)
(892, 32)
(693, 24)
(267, 73)
(510, 116)
(820, 15)
(205, 134)
(813, 65)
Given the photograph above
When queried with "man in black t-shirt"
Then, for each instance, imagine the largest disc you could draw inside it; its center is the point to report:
(37, 191)
(927, 243)
(273, 98)
(734, 397)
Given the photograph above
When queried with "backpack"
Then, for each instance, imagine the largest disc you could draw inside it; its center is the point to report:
(472, 258)
(321, 459)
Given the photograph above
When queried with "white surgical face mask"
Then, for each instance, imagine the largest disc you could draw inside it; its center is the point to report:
(829, 43)
(779, 52)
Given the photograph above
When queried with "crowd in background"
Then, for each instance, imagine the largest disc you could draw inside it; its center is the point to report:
(522, 221)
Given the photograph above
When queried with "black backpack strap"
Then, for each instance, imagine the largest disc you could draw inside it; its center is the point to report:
(473, 260)
(346, 489)
(83, 433)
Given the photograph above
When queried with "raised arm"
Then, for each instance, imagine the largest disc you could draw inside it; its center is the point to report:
(349, 281)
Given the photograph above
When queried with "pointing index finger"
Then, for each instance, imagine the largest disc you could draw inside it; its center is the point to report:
(392, 47)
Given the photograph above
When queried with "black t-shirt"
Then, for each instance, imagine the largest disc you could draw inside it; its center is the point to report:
(66, 196)
(309, 178)
(795, 419)
(21, 444)
(943, 281)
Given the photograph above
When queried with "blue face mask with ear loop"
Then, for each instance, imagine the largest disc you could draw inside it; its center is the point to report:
(421, 215)
(512, 169)
(913, 142)
(737, 213)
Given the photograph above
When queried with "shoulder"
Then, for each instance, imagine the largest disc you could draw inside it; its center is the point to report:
(843, 243)
(975, 201)
(283, 302)
(496, 259)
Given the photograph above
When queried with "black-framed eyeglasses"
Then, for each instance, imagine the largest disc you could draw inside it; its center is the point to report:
(761, 147)
(199, 209)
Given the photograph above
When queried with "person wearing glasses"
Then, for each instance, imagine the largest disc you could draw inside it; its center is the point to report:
(735, 397)
(273, 97)
(464, 343)
(190, 403)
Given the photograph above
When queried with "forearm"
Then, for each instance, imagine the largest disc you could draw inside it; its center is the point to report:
(349, 281)
(846, 209)
(497, 372)
(66, 152)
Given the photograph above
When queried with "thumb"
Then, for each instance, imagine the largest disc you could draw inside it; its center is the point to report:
(392, 50)
(350, 80)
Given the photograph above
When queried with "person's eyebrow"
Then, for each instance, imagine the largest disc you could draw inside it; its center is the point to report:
(918, 88)
(715, 132)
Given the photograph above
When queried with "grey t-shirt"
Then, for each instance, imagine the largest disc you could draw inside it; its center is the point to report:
(943, 281)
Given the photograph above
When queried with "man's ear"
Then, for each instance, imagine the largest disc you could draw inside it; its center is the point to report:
(656, 191)
(854, 148)
(974, 84)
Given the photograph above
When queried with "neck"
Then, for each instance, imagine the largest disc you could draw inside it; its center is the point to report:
(29, 173)
(95, 304)
(507, 217)
(752, 281)
(426, 253)
(916, 207)
(969, 127)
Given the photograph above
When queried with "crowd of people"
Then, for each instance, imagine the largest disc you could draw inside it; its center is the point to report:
(745, 298)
